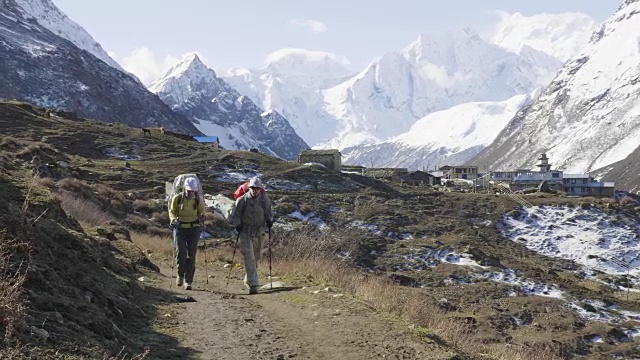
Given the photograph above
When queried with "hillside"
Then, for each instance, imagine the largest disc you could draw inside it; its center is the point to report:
(368, 264)
(587, 118)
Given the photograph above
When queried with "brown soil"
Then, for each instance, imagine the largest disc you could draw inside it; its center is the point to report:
(227, 323)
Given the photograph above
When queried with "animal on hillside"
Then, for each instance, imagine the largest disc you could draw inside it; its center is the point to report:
(161, 130)
(146, 131)
(47, 113)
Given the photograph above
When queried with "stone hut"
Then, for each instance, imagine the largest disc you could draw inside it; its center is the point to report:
(331, 158)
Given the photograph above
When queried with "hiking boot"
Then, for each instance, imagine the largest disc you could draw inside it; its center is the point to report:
(253, 290)
(187, 286)
(179, 280)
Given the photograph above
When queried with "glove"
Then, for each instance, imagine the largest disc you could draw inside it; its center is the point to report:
(269, 223)
(239, 228)
(175, 222)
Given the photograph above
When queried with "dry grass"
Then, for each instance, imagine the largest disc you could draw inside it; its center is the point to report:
(85, 211)
(122, 355)
(314, 245)
(302, 255)
(12, 277)
(47, 182)
(25, 204)
(9, 142)
(151, 244)
(36, 148)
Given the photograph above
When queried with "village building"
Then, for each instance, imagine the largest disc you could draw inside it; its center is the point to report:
(555, 180)
(331, 158)
(421, 178)
(212, 141)
(466, 172)
(393, 174)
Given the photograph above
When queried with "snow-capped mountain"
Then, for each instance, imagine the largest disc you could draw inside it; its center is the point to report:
(45, 13)
(589, 116)
(559, 35)
(291, 83)
(192, 89)
(450, 136)
(46, 69)
(436, 72)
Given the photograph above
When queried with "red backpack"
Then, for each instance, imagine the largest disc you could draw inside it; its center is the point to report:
(242, 189)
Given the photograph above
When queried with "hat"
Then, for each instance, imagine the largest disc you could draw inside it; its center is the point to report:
(255, 182)
(191, 184)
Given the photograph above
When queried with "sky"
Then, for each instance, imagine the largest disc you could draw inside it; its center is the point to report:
(151, 35)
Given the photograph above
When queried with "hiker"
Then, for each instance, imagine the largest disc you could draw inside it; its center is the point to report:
(242, 189)
(186, 213)
(252, 216)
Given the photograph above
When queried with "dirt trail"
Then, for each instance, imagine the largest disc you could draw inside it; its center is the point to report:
(226, 323)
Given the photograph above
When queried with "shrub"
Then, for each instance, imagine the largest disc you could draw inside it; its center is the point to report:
(82, 209)
(627, 200)
(36, 148)
(77, 187)
(12, 278)
(9, 142)
(47, 182)
(148, 206)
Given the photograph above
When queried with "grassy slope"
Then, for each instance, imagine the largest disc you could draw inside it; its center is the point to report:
(436, 220)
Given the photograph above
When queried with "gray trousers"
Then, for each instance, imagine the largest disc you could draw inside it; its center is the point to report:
(186, 245)
(250, 247)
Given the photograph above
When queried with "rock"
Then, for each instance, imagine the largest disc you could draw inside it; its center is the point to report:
(275, 284)
(514, 214)
(41, 333)
(57, 317)
(180, 298)
(484, 259)
(113, 232)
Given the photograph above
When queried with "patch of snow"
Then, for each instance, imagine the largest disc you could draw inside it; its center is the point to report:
(587, 236)
(311, 218)
(117, 153)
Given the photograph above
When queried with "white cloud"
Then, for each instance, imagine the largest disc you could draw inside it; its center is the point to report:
(313, 25)
(147, 66)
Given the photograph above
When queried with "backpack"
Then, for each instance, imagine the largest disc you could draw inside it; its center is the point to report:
(242, 189)
(178, 186)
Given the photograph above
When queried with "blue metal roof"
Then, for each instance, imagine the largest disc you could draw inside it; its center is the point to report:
(206, 139)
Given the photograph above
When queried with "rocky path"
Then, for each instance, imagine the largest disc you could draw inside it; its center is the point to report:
(289, 323)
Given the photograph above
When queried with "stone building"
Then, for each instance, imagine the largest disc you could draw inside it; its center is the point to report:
(331, 158)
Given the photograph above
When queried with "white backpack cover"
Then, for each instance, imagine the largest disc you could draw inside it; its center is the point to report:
(178, 186)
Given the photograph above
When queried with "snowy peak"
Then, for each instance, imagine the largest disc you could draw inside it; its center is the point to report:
(559, 35)
(589, 116)
(189, 76)
(190, 65)
(192, 89)
(45, 13)
(451, 136)
(301, 62)
(452, 38)
(434, 73)
(443, 47)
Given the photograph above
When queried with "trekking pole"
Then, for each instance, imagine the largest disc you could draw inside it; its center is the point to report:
(232, 258)
(204, 243)
(270, 279)
(173, 254)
